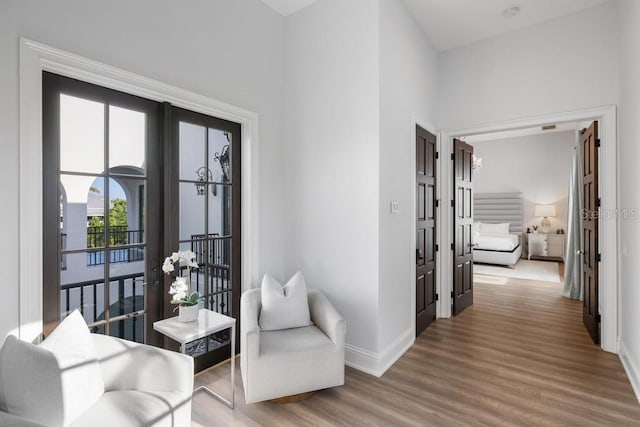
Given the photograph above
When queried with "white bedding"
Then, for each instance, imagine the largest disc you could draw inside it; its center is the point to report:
(495, 241)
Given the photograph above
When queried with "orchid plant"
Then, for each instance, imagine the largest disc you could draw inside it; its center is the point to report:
(181, 286)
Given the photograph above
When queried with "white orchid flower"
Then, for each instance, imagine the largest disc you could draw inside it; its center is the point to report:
(167, 267)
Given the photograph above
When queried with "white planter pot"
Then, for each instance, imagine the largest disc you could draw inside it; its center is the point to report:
(188, 314)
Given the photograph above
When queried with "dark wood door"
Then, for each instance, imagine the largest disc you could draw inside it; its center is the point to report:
(462, 220)
(101, 208)
(591, 257)
(425, 229)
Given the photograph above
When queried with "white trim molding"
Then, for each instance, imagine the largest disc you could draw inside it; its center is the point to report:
(608, 225)
(632, 370)
(377, 363)
(36, 58)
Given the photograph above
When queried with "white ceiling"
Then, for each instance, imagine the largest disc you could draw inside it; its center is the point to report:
(287, 7)
(454, 23)
(560, 127)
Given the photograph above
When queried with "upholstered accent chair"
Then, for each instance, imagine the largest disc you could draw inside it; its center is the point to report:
(143, 386)
(288, 362)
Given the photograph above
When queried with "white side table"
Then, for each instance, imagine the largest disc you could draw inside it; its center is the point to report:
(209, 322)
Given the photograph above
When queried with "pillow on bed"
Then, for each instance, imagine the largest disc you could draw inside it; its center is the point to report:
(502, 228)
(475, 228)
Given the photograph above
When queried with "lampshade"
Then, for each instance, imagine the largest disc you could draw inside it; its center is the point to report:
(545, 210)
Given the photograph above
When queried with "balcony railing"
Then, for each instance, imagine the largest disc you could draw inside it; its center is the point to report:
(213, 255)
(118, 235)
(88, 297)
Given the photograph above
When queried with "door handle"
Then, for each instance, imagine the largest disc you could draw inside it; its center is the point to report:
(579, 252)
(154, 274)
(419, 255)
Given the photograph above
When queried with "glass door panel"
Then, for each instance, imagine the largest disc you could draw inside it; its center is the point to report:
(95, 142)
(206, 205)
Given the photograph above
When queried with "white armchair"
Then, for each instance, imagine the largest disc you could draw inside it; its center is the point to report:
(143, 386)
(287, 362)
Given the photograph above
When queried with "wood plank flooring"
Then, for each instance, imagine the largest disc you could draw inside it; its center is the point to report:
(518, 356)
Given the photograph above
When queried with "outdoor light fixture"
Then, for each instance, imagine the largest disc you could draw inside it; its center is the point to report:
(204, 175)
(223, 159)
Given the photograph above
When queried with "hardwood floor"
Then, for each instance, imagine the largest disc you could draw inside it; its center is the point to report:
(519, 356)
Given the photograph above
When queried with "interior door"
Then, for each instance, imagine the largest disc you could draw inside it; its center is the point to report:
(591, 254)
(101, 204)
(425, 229)
(462, 220)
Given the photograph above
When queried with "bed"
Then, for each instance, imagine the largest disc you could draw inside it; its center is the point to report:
(497, 230)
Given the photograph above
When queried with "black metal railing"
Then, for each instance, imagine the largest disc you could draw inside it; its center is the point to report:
(118, 235)
(63, 246)
(115, 256)
(86, 295)
(213, 255)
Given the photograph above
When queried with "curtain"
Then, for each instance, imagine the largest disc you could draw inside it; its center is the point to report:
(573, 261)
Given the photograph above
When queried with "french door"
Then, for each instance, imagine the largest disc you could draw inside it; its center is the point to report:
(128, 181)
(203, 181)
(101, 169)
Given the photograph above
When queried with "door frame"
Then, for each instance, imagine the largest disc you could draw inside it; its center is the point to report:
(608, 224)
(37, 57)
(415, 121)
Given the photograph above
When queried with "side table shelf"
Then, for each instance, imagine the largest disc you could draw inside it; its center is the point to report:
(208, 323)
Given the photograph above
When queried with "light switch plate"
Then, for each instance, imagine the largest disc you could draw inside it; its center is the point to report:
(395, 207)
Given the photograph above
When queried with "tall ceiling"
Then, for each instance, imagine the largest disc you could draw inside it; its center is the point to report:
(287, 7)
(453, 23)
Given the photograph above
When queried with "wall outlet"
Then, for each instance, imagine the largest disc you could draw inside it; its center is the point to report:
(395, 207)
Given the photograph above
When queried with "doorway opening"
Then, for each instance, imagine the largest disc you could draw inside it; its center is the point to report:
(606, 255)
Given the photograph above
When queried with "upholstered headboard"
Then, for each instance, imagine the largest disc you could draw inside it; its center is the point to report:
(495, 208)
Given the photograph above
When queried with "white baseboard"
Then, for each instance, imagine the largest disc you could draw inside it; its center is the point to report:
(377, 363)
(633, 372)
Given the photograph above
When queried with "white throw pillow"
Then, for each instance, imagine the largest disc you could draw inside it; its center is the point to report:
(55, 382)
(284, 307)
(502, 228)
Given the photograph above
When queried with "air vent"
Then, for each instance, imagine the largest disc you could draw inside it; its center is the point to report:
(548, 127)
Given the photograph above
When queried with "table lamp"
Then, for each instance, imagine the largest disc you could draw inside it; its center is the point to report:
(545, 211)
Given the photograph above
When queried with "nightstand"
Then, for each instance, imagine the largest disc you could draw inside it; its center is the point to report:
(546, 245)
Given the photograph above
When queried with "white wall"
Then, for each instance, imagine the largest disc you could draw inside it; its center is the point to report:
(538, 166)
(629, 187)
(408, 87)
(227, 50)
(566, 64)
(332, 140)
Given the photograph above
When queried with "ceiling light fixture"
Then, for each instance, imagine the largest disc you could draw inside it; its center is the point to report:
(510, 12)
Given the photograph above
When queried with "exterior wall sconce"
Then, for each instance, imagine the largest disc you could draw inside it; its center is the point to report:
(204, 175)
(476, 162)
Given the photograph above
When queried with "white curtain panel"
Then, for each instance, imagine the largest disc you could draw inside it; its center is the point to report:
(573, 260)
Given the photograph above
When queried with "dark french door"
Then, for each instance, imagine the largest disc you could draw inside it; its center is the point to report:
(426, 246)
(127, 181)
(100, 159)
(203, 180)
(462, 220)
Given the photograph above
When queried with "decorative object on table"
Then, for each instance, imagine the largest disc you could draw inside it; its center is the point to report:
(535, 229)
(186, 300)
(545, 211)
(294, 361)
(528, 230)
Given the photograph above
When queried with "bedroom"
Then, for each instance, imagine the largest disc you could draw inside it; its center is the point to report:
(521, 201)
